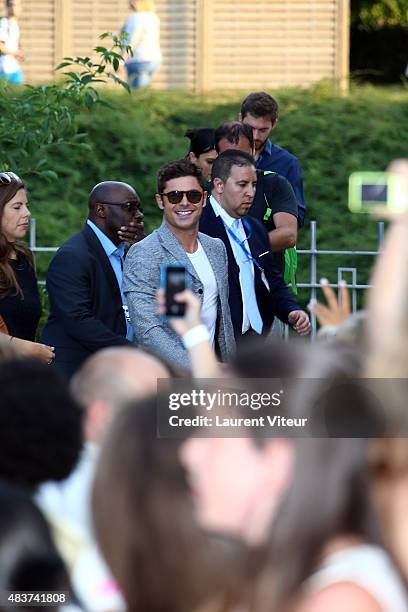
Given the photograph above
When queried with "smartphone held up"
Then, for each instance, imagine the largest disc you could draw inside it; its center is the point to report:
(173, 281)
(377, 191)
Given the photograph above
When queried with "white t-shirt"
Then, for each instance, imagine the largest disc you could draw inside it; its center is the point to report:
(367, 566)
(202, 266)
(10, 36)
(143, 29)
(67, 506)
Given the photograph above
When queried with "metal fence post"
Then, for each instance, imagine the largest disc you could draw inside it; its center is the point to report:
(33, 236)
(380, 228)
(313, 271)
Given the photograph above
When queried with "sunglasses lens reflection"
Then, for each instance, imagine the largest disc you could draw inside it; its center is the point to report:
(193, 196)
(4, 178)
(8, 177)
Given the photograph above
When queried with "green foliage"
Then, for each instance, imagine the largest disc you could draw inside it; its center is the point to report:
(332, 136)
(38, 122)
(379, 13)
(96, 72)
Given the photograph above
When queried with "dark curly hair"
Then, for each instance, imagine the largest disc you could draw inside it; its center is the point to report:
(40, 424)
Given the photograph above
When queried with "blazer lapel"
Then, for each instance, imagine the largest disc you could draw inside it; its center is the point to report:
(103, 259)
(252, 239)
(213, 226)
(173, 246)
(256, 250)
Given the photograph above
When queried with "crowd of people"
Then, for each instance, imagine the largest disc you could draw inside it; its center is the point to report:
(98, 508)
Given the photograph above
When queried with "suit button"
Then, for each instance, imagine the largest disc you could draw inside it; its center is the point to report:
(200, 291)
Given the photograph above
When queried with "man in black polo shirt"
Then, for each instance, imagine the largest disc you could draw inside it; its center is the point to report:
(275, 203)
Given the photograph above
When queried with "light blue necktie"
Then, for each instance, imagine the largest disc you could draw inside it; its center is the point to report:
(119, 254)
(248, 288)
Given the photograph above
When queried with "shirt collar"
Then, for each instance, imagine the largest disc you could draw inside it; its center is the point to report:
(107, 244)
(267, 150)
(220, 212)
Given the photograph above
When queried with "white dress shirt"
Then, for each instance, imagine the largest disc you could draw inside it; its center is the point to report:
(240, 257)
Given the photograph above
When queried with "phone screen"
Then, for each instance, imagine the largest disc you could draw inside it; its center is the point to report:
(174, 282)
(374, 193)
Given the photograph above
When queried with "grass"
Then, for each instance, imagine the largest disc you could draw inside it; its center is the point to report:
(332, 135)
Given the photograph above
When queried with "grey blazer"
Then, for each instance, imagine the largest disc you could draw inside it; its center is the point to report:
(141, 275)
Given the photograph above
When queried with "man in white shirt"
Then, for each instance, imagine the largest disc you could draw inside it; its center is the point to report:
(257, 291)
(181, 197)
(10, 44)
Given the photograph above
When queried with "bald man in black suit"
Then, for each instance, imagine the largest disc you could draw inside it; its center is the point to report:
(88, 309)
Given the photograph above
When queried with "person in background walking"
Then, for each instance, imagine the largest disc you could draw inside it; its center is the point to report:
(10, 52)
(143, 30)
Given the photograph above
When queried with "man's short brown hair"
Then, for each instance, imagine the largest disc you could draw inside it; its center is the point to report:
(232, 131)
(177, 169)
(260, 104)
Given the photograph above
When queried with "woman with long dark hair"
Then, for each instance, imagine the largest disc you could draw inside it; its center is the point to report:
(145, 526)
(20, 307)
(202, 150)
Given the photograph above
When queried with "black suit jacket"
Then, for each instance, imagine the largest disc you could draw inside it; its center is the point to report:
(86, 311)
(278, 301)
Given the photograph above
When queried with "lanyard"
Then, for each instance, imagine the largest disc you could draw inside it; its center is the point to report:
(241, 242)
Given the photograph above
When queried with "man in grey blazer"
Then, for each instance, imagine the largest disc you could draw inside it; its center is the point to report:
(181, 197)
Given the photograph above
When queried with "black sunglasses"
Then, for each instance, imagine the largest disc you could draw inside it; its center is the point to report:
(6, 178)
(175, 197)
(130, 207)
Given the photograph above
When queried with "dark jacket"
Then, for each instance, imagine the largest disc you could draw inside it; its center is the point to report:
(86, 311)
(278, 301)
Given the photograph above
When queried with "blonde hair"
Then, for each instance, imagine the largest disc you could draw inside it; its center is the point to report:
(144, 6)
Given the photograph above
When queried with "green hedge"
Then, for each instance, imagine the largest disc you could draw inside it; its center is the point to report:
(331, 135)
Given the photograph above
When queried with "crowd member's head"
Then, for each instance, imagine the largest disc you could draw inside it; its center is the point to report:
(180, 194)
(275, 359)
(40, 424)
(202, 149)
(14, 223)
(388, 361)
(112, 206)
(146, 521)
(234, 135)
(28, 558)
(13, 8)
(109, 379)
(145, 6)
(264, 490)
(388, 304)
(260, 112)
(234, 182)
